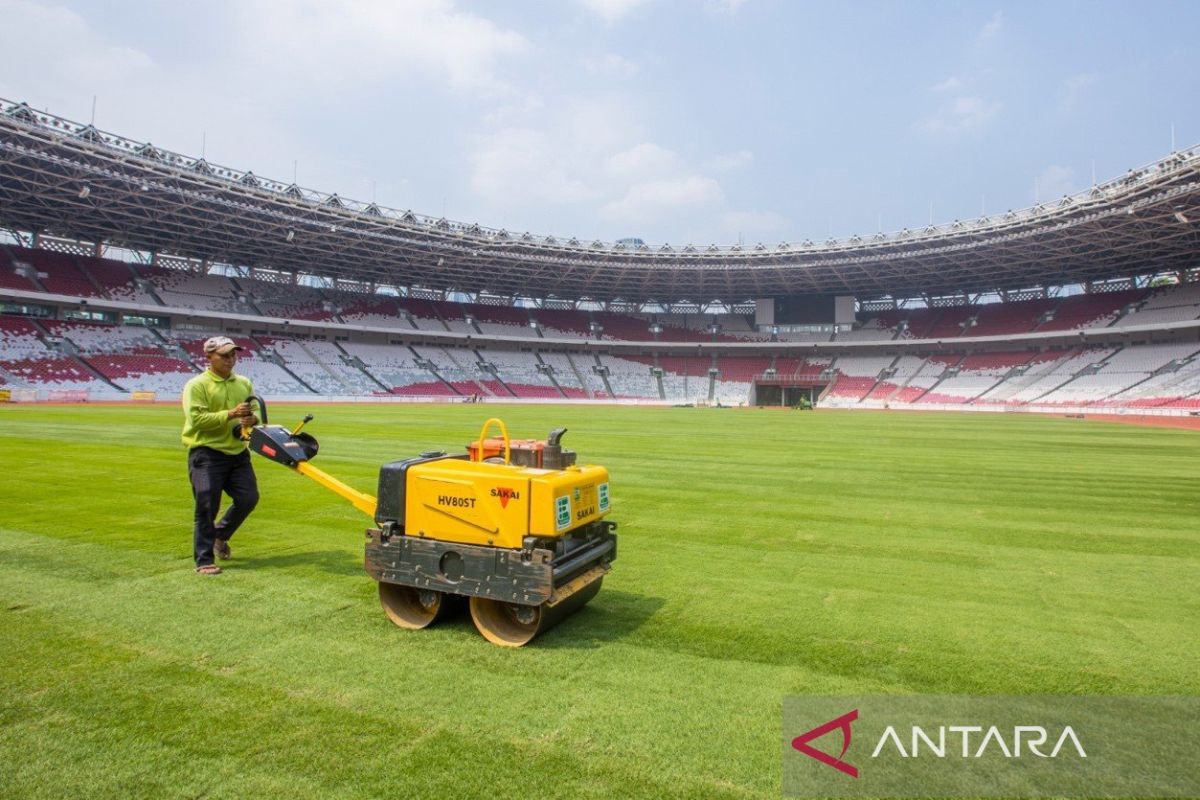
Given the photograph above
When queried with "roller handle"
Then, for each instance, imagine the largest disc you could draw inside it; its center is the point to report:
(478, 454)
(262, 406)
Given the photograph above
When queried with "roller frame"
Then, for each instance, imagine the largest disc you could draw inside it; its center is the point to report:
(527, 576)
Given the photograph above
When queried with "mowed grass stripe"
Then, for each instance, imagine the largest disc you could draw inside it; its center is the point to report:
(762, 553)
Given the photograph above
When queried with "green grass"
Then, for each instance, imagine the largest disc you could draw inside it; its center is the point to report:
(762, 553)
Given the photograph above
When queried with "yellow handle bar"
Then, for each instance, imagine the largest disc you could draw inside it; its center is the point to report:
(483, 435)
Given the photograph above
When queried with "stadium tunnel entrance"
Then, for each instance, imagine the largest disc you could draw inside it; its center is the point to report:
(787, 394)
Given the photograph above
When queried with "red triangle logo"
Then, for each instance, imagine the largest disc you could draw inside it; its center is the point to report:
(504, 495)
(843, 723)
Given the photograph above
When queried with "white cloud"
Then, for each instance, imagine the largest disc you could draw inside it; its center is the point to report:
(726, 162)
(278, 62)
(1053, 182)
(992, 27)
(610, 65)
(612, 10)
(516, 111)
(1077, 82)
(960, 115)
(951, 84)
(523, 165)
(82, 63)
(555, 154)
(592, 155)
(730, 7)
(303, 41)
(1074, 89)
(656, 198)
(758, 223)
(643, 160)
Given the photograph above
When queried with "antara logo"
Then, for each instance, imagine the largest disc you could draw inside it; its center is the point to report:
(991, 739)
(842, 723)
(504, 494)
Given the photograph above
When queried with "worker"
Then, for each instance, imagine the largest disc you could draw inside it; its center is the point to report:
(216, 404)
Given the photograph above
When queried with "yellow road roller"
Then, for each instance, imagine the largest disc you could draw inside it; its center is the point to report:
(515, 526)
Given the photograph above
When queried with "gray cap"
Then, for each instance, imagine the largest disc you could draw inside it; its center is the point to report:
(218, 343)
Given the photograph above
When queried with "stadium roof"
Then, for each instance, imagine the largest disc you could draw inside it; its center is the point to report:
(69, 179)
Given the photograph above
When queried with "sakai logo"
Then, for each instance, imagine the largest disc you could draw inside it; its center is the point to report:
(505, 494)
(841, 723)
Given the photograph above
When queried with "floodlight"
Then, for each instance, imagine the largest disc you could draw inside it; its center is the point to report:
(290, 236)
(85, 191)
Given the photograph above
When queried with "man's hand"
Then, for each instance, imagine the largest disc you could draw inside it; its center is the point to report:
(241, 410)
(249, 421)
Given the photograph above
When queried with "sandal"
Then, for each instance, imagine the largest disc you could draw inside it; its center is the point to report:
(221, 548)
(208, 569)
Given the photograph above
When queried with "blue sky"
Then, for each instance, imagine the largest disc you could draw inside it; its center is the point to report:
(700, 121)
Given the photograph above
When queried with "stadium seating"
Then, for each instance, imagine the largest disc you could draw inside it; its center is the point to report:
(379, 311)
(9, 278)
(112, 358)
(100, 338)
(629, 379)
(53, 372)
(857, 375)
(287, 301)
(393, 365)
(455, 366)
(575, 379)
(1090, 310)
(146, 373)
(876, 327)
(20, 338)
(108, 274)
(321, 366)
(559, 324)
(949, 323)
(191, 290)
(517, 368)
(59, 273)
(425, 389)
(1166, 304)
(742, 369)
(1120, 372)
(1004, 319)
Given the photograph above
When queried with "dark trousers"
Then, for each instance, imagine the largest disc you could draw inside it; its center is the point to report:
(213, 472)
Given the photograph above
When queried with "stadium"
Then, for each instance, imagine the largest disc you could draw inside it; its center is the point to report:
(883, 542)
(334, 298)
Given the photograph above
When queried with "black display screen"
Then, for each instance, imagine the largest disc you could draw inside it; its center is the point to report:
(804, 309)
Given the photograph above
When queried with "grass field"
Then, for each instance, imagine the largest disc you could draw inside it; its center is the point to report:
(762, 553)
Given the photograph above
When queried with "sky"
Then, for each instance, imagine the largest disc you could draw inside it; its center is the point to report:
(674, 121)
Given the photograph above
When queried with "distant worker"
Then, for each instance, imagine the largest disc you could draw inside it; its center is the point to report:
(215, 405)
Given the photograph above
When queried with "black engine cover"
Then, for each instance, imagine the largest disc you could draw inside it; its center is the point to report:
(390, 497)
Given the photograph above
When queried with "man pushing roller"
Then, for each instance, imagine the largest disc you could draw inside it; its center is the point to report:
(215, 405)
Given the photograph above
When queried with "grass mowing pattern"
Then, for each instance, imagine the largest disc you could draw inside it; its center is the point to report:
(762, 553)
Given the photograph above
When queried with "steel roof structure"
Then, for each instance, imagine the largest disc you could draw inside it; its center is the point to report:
(68, 179)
